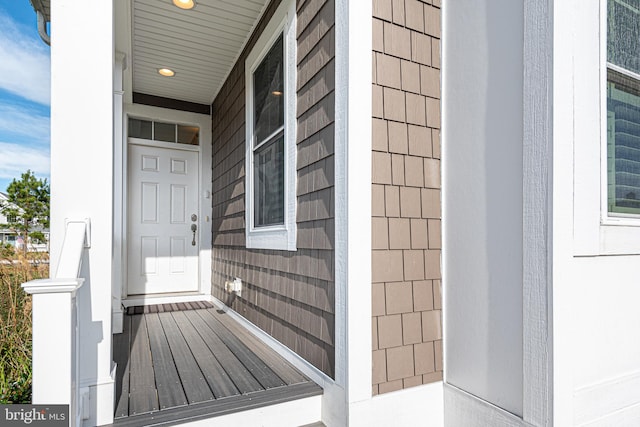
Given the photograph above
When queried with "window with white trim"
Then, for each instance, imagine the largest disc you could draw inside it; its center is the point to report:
(270, 135)
(623, 107)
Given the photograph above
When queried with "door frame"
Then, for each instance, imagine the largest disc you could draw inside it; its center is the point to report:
(121, 142)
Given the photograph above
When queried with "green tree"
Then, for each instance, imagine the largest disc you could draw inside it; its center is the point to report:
(27, 207)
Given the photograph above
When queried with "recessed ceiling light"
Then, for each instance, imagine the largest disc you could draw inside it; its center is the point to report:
(166, 72)
(185, 4)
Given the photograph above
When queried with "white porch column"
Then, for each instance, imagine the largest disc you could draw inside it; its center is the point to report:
(82, 63)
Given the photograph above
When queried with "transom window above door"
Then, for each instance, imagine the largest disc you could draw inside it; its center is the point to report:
(162, 131)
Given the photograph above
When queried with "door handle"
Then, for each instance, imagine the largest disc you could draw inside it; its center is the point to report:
(193, 229)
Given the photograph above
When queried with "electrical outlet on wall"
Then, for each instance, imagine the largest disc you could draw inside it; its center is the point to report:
(237, 286)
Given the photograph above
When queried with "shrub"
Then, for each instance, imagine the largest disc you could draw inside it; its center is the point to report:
(15, 326)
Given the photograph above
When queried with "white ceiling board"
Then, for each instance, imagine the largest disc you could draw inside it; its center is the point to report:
(201, 45)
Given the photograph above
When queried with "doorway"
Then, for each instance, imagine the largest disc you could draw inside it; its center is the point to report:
(162, 220)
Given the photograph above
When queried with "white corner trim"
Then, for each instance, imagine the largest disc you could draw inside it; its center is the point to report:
(462, 409)
(443, 176)
(353, 118)
(280, 237)
(537, 211)
(606, 398)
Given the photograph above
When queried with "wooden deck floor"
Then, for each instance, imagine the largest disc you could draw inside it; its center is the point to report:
(188, 362)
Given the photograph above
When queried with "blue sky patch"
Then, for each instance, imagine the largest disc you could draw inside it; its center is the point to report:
(24, 95)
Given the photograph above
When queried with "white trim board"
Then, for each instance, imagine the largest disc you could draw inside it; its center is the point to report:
(298, 413)
(462, 409)
(537, 378)
(289, 355)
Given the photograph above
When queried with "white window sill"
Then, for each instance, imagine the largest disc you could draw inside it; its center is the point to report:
(276, 238)
(621, 238)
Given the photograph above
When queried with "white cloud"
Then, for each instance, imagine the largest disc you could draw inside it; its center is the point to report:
(25, 64)
(15, 159)
(25, 122)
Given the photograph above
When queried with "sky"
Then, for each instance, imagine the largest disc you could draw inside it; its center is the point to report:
(24, 94)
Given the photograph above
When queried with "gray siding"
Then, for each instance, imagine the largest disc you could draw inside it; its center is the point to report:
(289, 295)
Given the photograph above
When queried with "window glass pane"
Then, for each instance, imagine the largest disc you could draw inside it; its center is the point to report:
(188, 135)
(268, 175)
(139, 128)
(623, 143)
(623, 34)
(164, 132)
(268, 96)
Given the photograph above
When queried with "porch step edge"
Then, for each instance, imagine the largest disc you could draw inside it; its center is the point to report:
(217, 412)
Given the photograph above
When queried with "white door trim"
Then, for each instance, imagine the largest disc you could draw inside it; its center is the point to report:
(204, 198)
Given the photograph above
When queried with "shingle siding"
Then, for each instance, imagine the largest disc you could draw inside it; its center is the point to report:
(406, 209)
(289, 295)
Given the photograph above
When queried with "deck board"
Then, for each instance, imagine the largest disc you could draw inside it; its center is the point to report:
(193, 382)
(168, 384)
(142, 389)
(239, 374)
(258, 368)
(121, 345)
(195, 363)
(217, 378)
(287, 372)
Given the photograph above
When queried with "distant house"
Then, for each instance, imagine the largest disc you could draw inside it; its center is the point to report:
(8, 235)
(404, 212)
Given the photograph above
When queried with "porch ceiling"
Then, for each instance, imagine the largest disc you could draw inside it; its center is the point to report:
(200, 45)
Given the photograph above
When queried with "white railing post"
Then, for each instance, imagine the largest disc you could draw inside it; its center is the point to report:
(54, 340)
(55, 326)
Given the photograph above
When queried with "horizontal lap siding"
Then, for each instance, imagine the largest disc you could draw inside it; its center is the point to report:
(407, 310)
(289, 295)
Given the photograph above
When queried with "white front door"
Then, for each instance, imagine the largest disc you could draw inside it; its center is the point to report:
(162, 210)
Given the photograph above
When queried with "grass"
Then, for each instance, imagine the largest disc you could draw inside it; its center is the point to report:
(15, 323)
